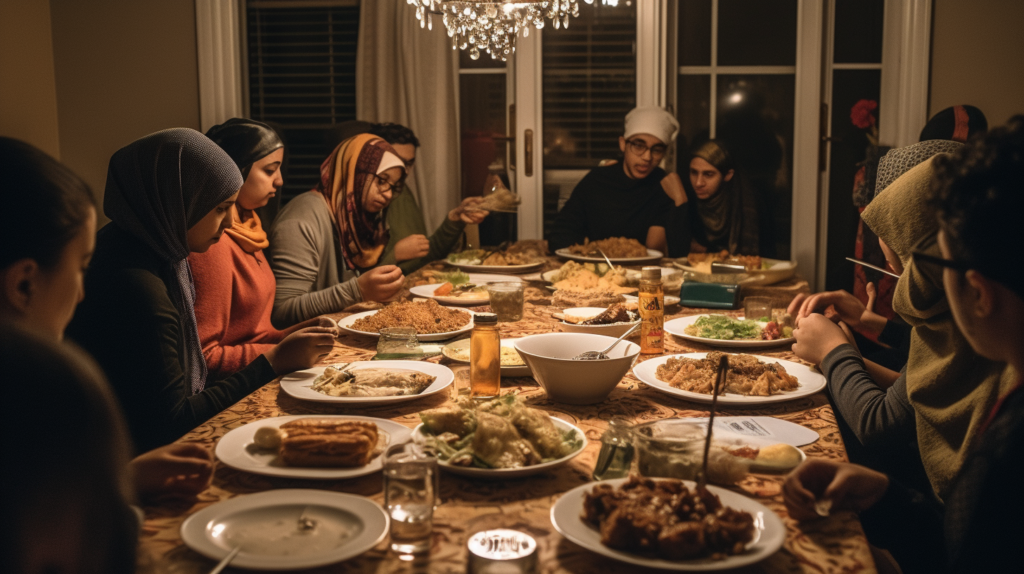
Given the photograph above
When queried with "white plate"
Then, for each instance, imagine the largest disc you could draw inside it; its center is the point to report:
(346, 324)
(809, 382)
(611, 329)
(300, 383)
(213, 530)
(237, 450)
(778, 270)
(652, 255)
(427, 291)
(506, 371)
(503, 473)
(678, 327)
(526, 268)
(566, 518)
(669, 299)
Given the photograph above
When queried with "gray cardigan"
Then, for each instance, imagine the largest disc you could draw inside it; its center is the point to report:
(303, 254)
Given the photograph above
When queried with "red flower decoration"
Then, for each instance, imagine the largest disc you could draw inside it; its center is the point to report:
(861, 114)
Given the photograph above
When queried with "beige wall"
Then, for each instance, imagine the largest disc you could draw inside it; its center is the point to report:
(28, 96)
(125, 68)
(977, 57)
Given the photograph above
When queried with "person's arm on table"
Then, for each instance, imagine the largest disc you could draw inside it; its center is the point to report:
(874, 414)
(447, 234)
(295, 258)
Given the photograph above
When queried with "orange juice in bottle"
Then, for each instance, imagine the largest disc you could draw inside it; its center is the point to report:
(651, 302)
(485, 357)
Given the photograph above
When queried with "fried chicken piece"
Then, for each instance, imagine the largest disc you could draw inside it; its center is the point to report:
(615, 314)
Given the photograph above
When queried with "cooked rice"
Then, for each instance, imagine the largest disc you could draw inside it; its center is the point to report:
(427, 317)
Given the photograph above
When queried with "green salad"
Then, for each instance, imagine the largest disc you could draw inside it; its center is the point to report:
(456, 278)
(724, 328)
(496, 434)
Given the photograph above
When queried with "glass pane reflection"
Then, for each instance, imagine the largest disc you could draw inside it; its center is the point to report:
(767, 25)
(482, 117)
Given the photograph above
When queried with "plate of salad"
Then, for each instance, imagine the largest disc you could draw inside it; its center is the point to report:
(725, 331)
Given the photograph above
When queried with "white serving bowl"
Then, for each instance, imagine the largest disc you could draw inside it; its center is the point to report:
(549, 357)
(611, 330)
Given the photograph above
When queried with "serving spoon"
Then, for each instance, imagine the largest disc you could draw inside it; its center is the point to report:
(598, 355)
(610, 264)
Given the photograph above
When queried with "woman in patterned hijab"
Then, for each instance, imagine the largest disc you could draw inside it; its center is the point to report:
(358, 181)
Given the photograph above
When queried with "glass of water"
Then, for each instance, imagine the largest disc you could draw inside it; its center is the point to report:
(410, 495)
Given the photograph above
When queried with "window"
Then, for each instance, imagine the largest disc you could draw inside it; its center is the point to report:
(302, 66)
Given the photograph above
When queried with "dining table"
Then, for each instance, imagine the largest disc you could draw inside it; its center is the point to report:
(836, 543)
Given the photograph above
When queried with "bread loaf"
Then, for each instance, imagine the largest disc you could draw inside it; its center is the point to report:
(328, 442)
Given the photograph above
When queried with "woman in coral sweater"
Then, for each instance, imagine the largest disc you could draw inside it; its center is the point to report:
(234, 283)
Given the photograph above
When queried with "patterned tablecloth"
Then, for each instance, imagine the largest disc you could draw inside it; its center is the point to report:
(834, 544)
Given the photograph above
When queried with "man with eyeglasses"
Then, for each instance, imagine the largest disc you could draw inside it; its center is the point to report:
(409, 246)
(635, 199)
(979, 196)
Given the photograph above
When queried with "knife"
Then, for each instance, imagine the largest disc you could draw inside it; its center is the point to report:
(875, 267)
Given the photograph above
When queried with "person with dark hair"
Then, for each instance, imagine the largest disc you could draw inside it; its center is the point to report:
(978, 195)
(235, 286)
(67, 491)
(409, 246)
(956, 123)
(168, 194)
(326, 244)
(726, 216)
(635, 199)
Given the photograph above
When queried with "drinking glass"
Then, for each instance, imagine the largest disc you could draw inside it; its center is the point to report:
(507, 298)
(398, 343)
(757, 308)
(410, 494)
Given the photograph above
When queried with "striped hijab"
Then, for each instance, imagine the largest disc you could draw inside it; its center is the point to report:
(345, 178)
(157, 188)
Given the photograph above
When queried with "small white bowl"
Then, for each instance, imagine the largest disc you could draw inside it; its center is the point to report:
(549, 357)
(610, 330)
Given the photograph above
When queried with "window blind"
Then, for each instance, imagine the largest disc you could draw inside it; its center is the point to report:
(302, 67)
(589, 86)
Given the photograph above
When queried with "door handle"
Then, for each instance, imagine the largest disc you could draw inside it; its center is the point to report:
(528, 152)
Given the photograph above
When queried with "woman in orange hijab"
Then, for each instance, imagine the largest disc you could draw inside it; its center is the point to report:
(326, 242)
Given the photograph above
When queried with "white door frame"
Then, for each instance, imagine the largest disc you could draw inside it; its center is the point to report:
(529, 120)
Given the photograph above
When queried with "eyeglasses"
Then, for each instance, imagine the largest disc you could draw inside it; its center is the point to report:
(961, 266)
(639, 148)
(385, 186)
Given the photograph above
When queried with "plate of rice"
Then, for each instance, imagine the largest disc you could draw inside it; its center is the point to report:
(433, 322)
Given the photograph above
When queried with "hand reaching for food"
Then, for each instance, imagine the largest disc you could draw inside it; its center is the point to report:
(818, 486)
(176, 470)
(848, 309)
(816, 337)
(412, 247)
(466, 213)
(301, 349)
(381, 284)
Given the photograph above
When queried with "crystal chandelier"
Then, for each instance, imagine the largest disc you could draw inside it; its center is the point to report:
(492, 25)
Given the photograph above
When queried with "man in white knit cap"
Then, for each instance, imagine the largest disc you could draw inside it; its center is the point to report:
(634, 198)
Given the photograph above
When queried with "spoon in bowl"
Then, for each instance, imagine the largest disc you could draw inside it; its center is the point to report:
(598, 355)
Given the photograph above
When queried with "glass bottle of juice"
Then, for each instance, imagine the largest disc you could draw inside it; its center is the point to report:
(485, 357)
(651, 303)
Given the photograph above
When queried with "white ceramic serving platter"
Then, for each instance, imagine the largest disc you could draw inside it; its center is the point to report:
(237, 450)
(678, 327)
(778, 270)
(525, 268)
(300, 383)
(611, 329)
(504, 473)
(427, 291)
(809, 380)
(346, 324)
(215, 530)
(771, 533)
(669, 299)
(652, 255)
(450, 349)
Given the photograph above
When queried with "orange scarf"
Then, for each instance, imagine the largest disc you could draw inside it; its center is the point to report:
(249, 234)
(345, 177)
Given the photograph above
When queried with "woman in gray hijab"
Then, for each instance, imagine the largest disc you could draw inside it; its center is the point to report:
(167, 194)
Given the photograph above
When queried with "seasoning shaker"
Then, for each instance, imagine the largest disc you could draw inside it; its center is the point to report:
(485, 357)
(651, 302)
(502, 551)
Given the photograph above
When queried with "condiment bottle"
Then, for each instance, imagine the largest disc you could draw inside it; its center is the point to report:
(616, 456)
(652, 312)
(485, 357)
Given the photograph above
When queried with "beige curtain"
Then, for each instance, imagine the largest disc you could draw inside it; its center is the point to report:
(410, 76)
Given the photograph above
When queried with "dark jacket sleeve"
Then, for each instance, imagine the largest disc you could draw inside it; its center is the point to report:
(132, 328)
(896, 334)
(570, 226)
(909, 524)
(677, 230)
(876, 415)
